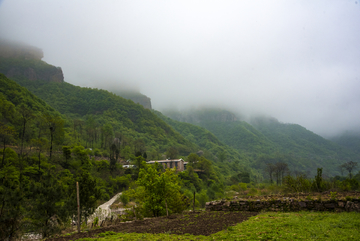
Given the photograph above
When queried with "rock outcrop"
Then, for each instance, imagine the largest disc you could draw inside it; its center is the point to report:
(137, 97)
(19, 61)
(53, 74)
(17, 50)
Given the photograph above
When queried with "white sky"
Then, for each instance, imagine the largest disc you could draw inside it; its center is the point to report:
(298, 61)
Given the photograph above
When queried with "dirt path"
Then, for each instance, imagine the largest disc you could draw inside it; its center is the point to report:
(198, 223)
(103, 211)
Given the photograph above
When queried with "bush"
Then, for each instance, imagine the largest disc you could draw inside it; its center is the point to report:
(97, 152)
(349, 184)
(124, 199)
(202, 198)
(105, 153)
(253, 191)
(242, 186)
(297, 184)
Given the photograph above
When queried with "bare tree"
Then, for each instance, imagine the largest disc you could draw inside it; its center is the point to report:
(7, 134)
(26, 115)
(349, 166)
(55, 125)
(270, 169)
(280, 169)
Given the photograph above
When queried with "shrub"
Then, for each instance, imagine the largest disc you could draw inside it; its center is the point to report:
(97, 152)
(96, 222)
(297, 184)
(333, 195)
(202, 198)
(242, 186)
(124, 199)
(349, 184)
(252, 191)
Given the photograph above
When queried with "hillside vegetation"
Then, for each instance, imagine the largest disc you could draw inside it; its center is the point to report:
(267, 140)
(43, 156)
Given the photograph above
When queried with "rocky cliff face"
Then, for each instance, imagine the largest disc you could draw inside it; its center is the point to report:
(134, 96)
(54, 74)
(24, 62)
(17, 50)
(143, 100)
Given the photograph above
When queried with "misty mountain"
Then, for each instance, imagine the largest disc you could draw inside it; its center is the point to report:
(267, 136)
(210, 143)
(244, 142)
(24, 62)
(137, 97)
(349, 140)
(130, 121)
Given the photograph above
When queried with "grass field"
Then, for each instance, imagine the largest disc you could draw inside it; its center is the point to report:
(268, 226)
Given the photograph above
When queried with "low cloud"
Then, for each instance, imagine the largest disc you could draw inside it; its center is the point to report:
(297, 61)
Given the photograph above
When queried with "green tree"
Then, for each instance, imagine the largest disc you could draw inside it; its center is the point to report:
(89, 194)
(318, 184)
(48, 206)
(350, 166)
(11, 199)
(39, 143)
(67, 155)
(26, 115)
(172, 153)
(55, 125)
(222, 156)
(107, 135)
(7, 134)
(161, 191)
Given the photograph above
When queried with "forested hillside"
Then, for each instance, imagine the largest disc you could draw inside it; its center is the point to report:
(267, 140)
(135, 96)
(97, 117)
(93, 109)
(349, 140)
(42, 157)
(226, 156)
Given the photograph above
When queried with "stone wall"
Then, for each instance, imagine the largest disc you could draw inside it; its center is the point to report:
(285, 205)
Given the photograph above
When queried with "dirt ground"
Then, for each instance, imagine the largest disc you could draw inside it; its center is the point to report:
(198, 223)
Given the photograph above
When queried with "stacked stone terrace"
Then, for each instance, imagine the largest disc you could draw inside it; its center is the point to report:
(287, 204)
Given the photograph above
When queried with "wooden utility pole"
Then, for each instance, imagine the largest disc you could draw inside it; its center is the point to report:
(167, 212)
(78, 204)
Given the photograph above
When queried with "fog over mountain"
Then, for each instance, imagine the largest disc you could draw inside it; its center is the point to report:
(298, 61)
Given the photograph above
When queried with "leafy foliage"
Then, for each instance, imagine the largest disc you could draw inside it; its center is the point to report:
(268, 140)
(159, 192)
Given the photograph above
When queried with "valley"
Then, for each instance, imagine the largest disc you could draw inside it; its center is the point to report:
(54, 134)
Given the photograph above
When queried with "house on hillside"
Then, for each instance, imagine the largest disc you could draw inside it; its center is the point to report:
(179, 164)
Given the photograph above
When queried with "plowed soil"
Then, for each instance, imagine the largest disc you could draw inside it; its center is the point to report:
(198, 223)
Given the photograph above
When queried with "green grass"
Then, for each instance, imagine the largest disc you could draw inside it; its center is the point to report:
(270, 226)
(296, 226)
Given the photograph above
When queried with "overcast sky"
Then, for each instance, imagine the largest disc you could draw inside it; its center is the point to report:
(298, 61)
